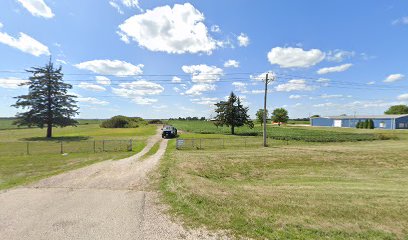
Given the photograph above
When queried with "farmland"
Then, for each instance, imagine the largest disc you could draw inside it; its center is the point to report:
(305, 190)
(45, 159)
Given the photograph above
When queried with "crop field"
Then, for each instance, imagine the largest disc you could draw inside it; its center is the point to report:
(289, 132)
(83, 145)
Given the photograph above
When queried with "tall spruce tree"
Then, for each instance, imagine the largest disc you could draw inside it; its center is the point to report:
(47, 102)
(232, 113)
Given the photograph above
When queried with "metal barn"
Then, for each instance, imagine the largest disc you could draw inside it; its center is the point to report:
(380, 121)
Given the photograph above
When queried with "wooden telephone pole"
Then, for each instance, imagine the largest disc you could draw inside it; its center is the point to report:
(269, 78)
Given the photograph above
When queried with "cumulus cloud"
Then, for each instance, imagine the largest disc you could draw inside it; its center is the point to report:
(203, 73)
(137, 90)
(262, 76)
(111, 67)
(1, 25)
(243, 40)
(25, 43)
(177, 30)
(125, 3)
(61, 61)
(199, 89)
(394, 77)
(295, 96)
(240, 87)
(91, 100)
(37, 8)
(403, 97)
(91, 87)
(205, 101)
(340, 68)
(326, 96)
(231, 64)
(11, 83)
(294, 85)
(295, 57)
(176, 79)
(103, 80)
(215, 28)
(339, 55)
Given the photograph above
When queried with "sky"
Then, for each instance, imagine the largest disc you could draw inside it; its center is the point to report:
(163, 59)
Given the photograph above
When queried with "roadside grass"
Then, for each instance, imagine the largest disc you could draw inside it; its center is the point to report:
(355, 190)
(7, 123)
(152, 151)
(19, 170)
(289, 132)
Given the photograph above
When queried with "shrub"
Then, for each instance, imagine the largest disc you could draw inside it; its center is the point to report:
(155, 121)
(371, 124)
(358, 125)
(123, 122)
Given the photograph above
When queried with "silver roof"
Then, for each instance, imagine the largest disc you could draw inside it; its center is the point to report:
(367, 116)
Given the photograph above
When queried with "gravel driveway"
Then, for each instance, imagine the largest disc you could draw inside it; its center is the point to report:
(102, 201)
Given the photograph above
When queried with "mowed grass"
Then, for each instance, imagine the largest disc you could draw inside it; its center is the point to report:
(16, 167)
(355, 190)
(289, 132)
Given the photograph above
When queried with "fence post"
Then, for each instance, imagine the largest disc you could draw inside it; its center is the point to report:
(62, 148)
(94, 146)
(103, 145)
(130, 148)
(28, 148)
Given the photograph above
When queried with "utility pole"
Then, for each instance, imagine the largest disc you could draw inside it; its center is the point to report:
(268, 79)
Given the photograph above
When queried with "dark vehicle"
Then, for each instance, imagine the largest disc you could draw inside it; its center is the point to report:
(169, 132)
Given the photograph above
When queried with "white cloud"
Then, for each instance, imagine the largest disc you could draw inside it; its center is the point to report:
(91, 87)
(231, 63)
(176, 79)
(37, 8)
(203, 73)
(205, 101)
(62, 61)
(326, 96)
(1, 25)
(295, 57)
(340, 68)
(295, 96)
(126, 3)
(243, 40)
(262, 76)
(11, 83)
(339, 55)
(91, 100)
(294, 85)
(371, 83)
(143, 100)
(328, 104)
(176, 89)
(198, 89)
(403, 20)
(25, 43)
(403, 97)
(111, 67)
(240, 87)
(103, 80)
(215, 28)
(137, 90)
(394, 77)
(179, 30)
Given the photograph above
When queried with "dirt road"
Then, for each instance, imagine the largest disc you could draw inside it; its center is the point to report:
(102, 201)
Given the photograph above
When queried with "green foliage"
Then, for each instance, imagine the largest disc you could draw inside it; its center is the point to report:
(232, 113)
(260, 114)
(123, 122)
(370, 124)
(315, 116)
(397, 109)
(366, 123)
(280, 115)
(358, 125)
(155, 121)
(47, 102)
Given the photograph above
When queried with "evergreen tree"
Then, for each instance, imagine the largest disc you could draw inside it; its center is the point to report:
(358, 125)
(232, 113)
(47, 102)
(365, 124)
(371, 124)
(259, 115)
(280, 115)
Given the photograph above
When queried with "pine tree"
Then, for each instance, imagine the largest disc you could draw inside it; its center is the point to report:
(47, 102)
(371, 124)
(232, 113)
(366, 123)
(358, 125)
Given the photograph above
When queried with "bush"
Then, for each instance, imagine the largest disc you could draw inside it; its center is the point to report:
(123, 122)
(358, 125)
(156, 121)
(371, 124)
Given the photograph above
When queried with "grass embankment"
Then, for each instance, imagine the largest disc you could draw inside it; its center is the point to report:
(353, 190)
(16, 167)
(289, 132)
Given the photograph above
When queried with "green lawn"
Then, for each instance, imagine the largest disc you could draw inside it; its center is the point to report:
(16, 167)
(355, 190)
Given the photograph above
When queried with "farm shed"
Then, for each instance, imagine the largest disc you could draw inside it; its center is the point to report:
(380, 121)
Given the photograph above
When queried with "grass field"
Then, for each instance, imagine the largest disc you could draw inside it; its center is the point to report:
(304, 190)
(7, 123)
(16, 167)
(317, 191)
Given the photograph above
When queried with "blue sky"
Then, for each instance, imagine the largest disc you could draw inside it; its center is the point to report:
(160, 59)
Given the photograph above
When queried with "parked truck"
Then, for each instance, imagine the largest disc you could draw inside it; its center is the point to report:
(169, 132)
